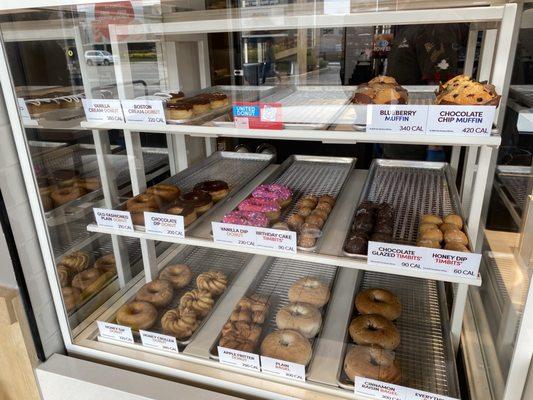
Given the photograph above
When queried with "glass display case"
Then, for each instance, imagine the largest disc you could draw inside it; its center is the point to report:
(282, 197)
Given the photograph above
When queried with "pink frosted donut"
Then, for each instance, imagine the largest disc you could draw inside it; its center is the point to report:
(270, 207)
(280, 193)
(246, 218)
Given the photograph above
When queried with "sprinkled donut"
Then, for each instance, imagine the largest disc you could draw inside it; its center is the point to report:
(280, 193)
(246, 218)
(270, 208)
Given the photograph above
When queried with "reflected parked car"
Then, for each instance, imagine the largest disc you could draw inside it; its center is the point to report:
(98, 57)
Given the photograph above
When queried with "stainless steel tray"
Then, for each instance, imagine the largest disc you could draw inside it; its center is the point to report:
(413, 188)
(311, 175)
(274, 282)
(425, 352)
(516, 180)
(201, 259)
(234, 93)
(236, 169)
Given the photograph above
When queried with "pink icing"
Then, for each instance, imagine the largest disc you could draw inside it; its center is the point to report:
(246, 218)
(259, 205)
(273, 192)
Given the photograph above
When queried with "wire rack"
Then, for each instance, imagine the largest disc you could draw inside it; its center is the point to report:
(65, 236)
(200, 260)
(516, 184)
(424, 352)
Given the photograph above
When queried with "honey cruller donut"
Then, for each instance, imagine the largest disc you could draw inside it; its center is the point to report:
(301, 317)
(374, 330)
(137, 315)
(200, 301)
(157, 292)
(76, 261)
(309, 290)
(213, 281)
(378, 301)
(178, 274)
(287, 345)
(179, 322)
(373, 363)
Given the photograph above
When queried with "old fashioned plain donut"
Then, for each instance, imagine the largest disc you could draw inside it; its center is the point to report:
(301, 317)
(287, 345)
(378, 301)
(374, 330)
(178, 274)
(137, 315)
(309, 290)
(157, 292)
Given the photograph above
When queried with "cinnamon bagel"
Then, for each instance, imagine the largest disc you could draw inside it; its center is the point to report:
(373, 363)
(374, 330)
(378, 301)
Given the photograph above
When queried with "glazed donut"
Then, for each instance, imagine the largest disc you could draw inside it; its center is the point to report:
(143, 202)
(427, 226)
(106, 263)
(433, 244)
(432, 234)
(180, 323)
(454, 219)
(137, 315)
(327, 198)
(246, 218)
(373, 363)
(178, 274)
(157, 292)
(446, 227)
(213, 281)
(71, 295)
(287, 345)
(201, 201)
(63, 275)
(430, 219)
(85, 278)
(76, 261)
(374, 330)
(301, 317)
(217, 189)
(309, 290)
(200, 301)
(455, 235)
(66, 194)
(456, 246)
(378, 301)
(165, 192)
(188, 212)
(244, 330)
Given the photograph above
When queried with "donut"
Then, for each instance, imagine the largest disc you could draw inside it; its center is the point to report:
(201, 201)
(214, 282)
(176, 95)
(200, 104)
(455, 235)
(315, 220)
(456, 246)
(324, 206)
(137, 315)
(179, 322)
(218, 100)
(71, 295)
(300, 317)
(270, 208)
(327, 198)
(287, 345)
(200, 301)
(304, 211)
(372, 363)
(307, 202)
(217, 189)
(378, 301)
(232, 341)
(85, 278)
(432, 234)
(426, 226)
(454, 219)
(433, 244)
(90, 183)
(178, 274)
(177, 110)
(308, 235)
(295, 222)
(244, 330)
(76, 261)
(309, 290)
(66, 194)
(63, 275)
(157, 292)
(106, 263)
(356, 244)
(164, 191)
(187, 211)
(446, 227)
(430, 219)
(143, 202)
(137, 217)
(246, 218)
(280, 193)
(374, 330)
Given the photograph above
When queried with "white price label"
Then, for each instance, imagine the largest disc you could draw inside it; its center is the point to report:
(233, 234)
(275, 239)
(164, 224)
(238, 358)
(387, 391)
(403, 118)
(103, 110)
(460, 120)
(144, 111)
(23, 108)
(448, 262)
(283, 368)
(114, 219)
(158, 341)
(115, 332)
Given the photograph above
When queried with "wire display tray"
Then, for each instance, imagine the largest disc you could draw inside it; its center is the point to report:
(234, 93)
(236, 169)
(274, 282)
(311, 175)
(425, 352)
(517, 182)
(200, 259)
(412, 188)
(522, 93)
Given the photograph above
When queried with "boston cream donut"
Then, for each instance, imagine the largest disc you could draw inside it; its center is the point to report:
(179, 322)
(166, 192)
(301, 317)
(200, 301)
(378, 301)
(76, 261)
(373, 363)
(214, 282)
(217, 189)
(137, 315)
(178, 274)
(287, 345)
(374, 330)
(157, 292)
(85, 278)
(309, 290)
